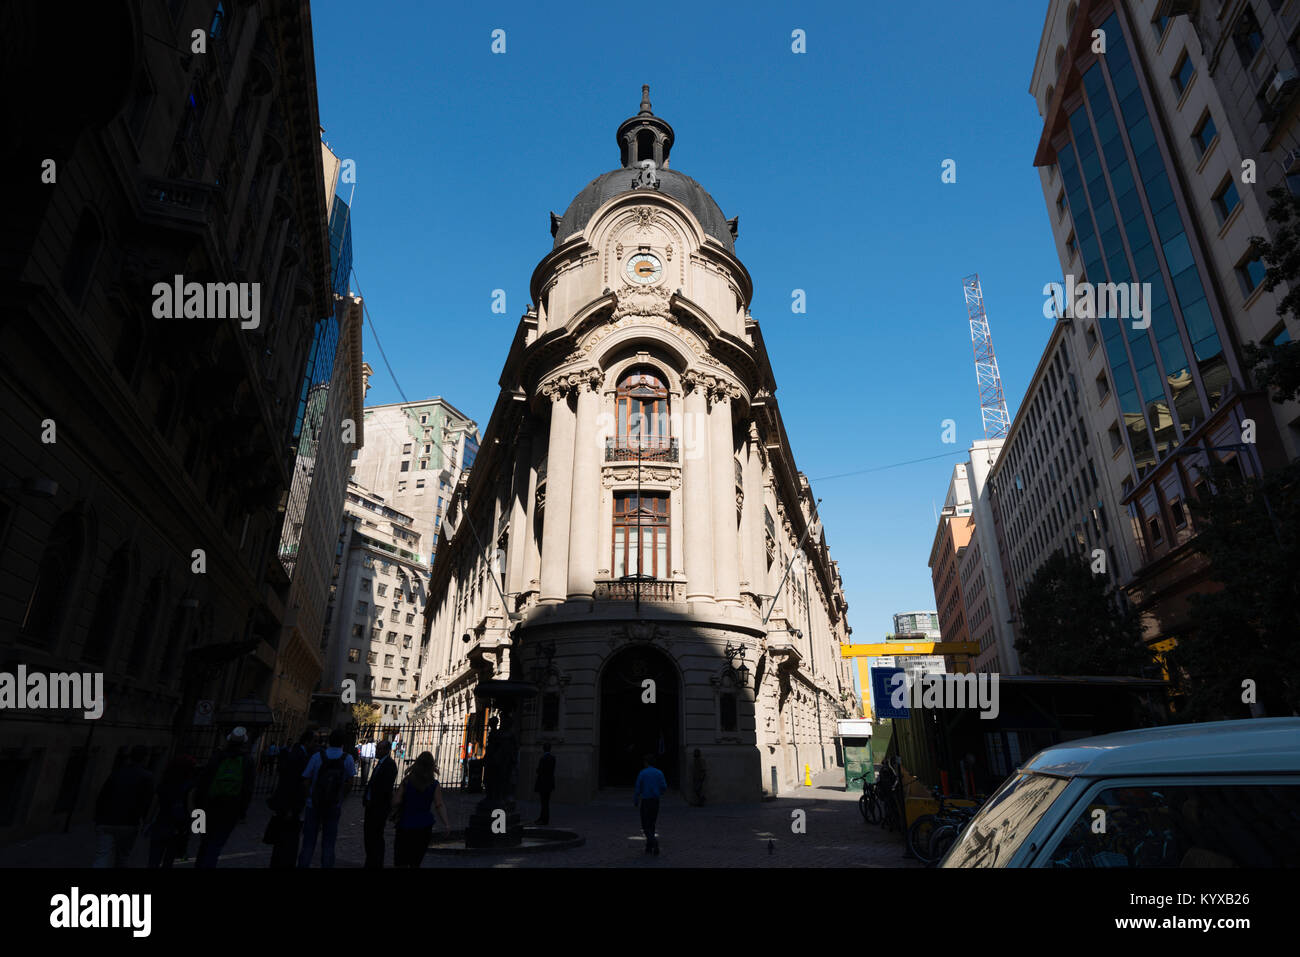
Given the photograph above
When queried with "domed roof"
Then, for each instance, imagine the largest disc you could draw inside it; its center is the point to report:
(671, 183)
(645, 141)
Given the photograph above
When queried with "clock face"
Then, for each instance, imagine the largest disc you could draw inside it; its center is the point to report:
(644, 268)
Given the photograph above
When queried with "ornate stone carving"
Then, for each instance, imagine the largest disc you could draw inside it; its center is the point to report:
(612, 475)
(714, 387)
(640, 631)
(644, 217)
(578, 380)
(669, 252)
(641, 301)
(646, 178)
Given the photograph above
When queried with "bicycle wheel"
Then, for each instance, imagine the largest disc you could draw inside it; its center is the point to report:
(863, 806)
(941, 839)
(872, 809)
(918, 837)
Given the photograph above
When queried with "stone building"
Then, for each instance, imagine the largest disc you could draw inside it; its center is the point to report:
(328, 428)
(143, 459)
(635, 507)
(413, 457)
(375, 624)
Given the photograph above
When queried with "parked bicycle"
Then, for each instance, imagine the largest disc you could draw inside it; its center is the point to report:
(930, 835)
(870, 803)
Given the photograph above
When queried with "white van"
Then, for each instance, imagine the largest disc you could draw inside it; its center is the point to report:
(1220, 794)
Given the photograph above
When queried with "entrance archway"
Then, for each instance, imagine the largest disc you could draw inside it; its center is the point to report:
(631, 727)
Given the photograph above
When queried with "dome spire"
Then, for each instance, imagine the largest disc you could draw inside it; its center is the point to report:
(644, 137)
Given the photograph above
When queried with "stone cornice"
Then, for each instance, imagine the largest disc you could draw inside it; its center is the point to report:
(714, 387)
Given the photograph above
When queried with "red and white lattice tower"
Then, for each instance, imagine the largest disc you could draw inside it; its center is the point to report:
(993, 404)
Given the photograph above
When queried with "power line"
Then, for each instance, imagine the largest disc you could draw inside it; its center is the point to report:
(373, 332)
(894, 465)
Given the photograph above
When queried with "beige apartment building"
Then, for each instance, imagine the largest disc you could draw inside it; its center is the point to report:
(634, 509)
(1141, 161)
(375, 623)
(413, 457)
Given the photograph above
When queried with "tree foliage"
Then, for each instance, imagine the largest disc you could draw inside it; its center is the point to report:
(1249, 629)
(1277, 366)
(1070, 624)
(365, 714)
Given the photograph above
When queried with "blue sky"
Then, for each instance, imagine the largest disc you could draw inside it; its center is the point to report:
(831, 159)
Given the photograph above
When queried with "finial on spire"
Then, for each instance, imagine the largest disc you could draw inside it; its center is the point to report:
(645, 99)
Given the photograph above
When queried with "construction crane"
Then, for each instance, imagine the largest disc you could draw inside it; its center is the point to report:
(993, 404)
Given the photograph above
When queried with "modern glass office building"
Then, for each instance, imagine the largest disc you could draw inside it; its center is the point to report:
(1131, 226)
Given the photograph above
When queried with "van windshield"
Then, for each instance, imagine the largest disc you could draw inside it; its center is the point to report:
(1005, 820)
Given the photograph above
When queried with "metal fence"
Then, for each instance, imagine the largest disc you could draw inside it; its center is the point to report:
(446, 742)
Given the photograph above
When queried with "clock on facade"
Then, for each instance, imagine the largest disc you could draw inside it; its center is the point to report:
(644, 268)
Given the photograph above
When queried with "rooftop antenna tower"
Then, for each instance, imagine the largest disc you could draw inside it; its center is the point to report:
(993, 404)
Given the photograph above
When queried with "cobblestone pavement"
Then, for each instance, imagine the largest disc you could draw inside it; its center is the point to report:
(730, 835)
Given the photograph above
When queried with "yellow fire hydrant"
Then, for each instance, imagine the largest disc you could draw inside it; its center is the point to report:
(807, 776)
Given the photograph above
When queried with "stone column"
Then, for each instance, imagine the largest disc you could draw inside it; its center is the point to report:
(559, 479)
(722, 466)
(520, 533)
(697, 533)
(532, 545)
(754, 550)
(586, 489)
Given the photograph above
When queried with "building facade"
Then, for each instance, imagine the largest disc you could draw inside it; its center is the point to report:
(1141, 161)
(951, 536)
(375, 626)
(635, 507)
(327, 427)
(917, 623)
(138, 516)
(413, 457)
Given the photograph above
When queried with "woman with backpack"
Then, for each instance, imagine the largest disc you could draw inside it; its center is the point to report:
(419, 791)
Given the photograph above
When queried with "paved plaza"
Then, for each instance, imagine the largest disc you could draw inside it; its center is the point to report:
(731, 835)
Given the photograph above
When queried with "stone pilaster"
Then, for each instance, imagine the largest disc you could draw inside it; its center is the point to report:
(586, 489)
(555, 527)
(697, 522)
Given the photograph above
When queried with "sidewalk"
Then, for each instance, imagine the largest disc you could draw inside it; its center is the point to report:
(726, 835)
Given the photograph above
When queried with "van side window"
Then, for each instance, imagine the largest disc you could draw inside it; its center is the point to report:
(1186, 825)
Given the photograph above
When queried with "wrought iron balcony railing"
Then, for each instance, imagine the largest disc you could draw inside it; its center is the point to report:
(648, 448)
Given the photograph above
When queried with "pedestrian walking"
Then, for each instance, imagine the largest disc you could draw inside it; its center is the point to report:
(545, 783)
(224, 792)
(120, 808)
(378, 802)
(420, 790)
(170, 832)
(327, 777)
(272, 753)
(287, 802)
(698, 776)
(650, 787)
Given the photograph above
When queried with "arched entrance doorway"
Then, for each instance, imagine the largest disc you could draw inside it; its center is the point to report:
(631, 727)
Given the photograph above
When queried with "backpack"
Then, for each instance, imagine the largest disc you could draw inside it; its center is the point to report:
(327, 792)
(228, 781)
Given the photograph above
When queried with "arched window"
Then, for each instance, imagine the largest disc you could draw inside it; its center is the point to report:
(144, 626)
(1060, 57)
(108, 609)
(1069, 16)
(50, 594)
(642, 399)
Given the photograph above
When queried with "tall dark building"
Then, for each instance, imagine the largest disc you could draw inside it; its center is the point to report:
(144, 460)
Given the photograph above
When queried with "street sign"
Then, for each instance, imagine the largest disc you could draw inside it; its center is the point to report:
(882, 687)
(203, 712)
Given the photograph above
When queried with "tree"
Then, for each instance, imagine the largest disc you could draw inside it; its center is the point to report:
(366, 715)
(1277, 366)
(1246, 642)
(1071, 625)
